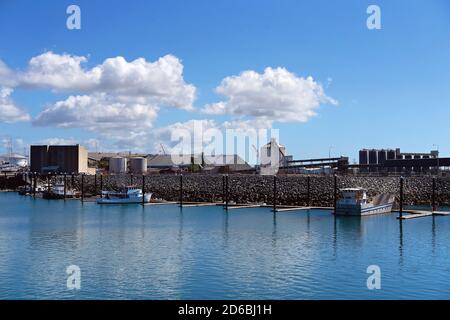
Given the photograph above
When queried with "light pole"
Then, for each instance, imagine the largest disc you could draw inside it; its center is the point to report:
(329, 151)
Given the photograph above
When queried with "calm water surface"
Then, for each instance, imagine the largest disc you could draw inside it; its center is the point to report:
(162, 252)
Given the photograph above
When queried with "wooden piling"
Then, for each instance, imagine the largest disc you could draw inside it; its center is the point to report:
(65, 186)
(48, 182)
(401, 198)
(433, 196)
(308, 182)
(101, 185)
(143, 189)
(35, 185)
(226, 192)
(335, 194)
(223, 188)
(274, 194)
(181, 190)
(82, 187)
(95, 185)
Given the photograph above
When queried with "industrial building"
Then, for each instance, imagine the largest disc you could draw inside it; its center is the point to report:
(209, 164)
(273, 157)
(317, 166)
(59, 158)
(376, 160)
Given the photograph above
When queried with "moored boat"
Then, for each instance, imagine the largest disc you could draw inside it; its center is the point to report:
(129, 195)
(57, 192)
(28, 189)
(355, 202)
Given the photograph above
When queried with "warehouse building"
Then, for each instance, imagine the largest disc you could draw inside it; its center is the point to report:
(59, 158)
(371, 160)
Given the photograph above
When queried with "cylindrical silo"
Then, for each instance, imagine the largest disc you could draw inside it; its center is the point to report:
(138, 165)
(117, 165)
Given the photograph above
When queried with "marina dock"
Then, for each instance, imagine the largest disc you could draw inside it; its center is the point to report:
(414, 214)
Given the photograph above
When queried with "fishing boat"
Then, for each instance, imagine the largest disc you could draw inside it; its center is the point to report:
(28, 189)
(57, 192)
(355, 202)
(128, 195)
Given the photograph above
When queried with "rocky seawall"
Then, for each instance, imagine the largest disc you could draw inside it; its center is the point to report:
(291, 190)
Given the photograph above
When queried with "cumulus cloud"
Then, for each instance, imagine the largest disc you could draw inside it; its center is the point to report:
(98, 112)
(276, 94)
(112, 98)
(160, 82)
(9, 112)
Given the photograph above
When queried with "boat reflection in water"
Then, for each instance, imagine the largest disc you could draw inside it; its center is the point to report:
(129, 195)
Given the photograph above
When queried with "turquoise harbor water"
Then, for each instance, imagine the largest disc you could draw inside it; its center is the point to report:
(162, 252)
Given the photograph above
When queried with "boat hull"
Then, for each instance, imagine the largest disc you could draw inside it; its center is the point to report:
(134, 200)
(356, 210)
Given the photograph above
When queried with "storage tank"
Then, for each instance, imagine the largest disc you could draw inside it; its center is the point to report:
(117, 165)
(138, 165)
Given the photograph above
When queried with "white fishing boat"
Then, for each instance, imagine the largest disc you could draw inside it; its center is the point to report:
(128, 195)
(355, 202)
(28, 189)
(57, 192)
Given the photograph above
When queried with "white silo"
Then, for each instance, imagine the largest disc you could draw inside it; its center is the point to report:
(117, 165)
(138, 165)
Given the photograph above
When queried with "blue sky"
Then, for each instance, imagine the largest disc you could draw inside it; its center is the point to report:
(391, 85)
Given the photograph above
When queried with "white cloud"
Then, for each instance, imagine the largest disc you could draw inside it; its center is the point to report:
(91, 144)
(218, 108)
(117, 97)
(58, 141)
(9, 112)
(160, 82)
(192, 135)
(276, 94)
(6, 76)
(100, 113)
